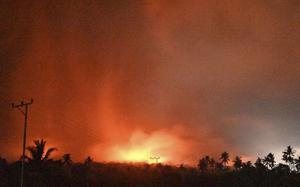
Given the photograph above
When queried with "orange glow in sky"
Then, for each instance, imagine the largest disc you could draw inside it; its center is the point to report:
(171, 79)
(138, 154)
(141, 147)
(167, 146)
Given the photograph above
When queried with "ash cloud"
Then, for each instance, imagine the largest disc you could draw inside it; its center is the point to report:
(99, 70)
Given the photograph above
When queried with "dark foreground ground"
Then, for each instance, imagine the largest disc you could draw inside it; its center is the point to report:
(92, 174)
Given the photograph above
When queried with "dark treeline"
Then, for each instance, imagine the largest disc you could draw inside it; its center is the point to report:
(42, 171)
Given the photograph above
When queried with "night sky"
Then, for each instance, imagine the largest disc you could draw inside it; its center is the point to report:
(178, 79)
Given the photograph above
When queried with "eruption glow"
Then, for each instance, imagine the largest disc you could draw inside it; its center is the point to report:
(168, 147)
(142, 146)
(115, 87)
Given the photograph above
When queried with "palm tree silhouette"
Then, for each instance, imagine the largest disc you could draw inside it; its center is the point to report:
(37, 152)
(237, 162)
(288, 156)
(269, 160)
(224, 158)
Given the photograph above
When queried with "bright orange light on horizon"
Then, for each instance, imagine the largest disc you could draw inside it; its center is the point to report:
(157, 147)
(141, 148)
(135, 155)
(167, 146)
(138, 154)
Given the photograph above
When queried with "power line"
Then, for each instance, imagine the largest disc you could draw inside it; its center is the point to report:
(24, 112)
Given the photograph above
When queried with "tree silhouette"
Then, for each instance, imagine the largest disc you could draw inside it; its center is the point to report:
(282, 169)
(224, 158)
(3, 162)
(259, 164)
(67, 159)
(212, 163)
(247, 165)
(297, 163)
(269, 160)
(203, 164)
(237, 163)
(88, 161)
(37, 152)
(288, 156)
(92, 173)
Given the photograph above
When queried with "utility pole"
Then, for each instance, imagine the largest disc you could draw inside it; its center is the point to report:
(156, 158)
(24, 112)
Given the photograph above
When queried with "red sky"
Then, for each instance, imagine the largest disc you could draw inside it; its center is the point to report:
(177, 79)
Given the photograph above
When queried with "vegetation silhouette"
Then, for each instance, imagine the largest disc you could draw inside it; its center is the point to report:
(37, 152)
(43, 171)
(238, 163)
(297, 163)
(224, 159)
(269, 160)
(288, 156)
(66, 159)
